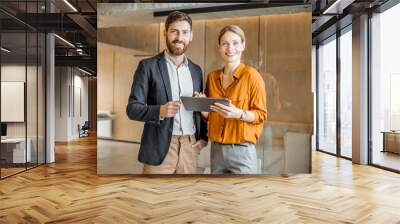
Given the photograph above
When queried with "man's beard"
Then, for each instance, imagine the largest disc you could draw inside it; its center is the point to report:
(176, 51)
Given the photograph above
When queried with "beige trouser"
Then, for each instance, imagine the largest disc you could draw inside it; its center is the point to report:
(180, 159)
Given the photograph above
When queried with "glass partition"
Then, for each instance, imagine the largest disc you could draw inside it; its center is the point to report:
(41, 109)
(346, 93)
(22, 90)
(385, 89)
(14, 145)
(31, 100)
(327, 96)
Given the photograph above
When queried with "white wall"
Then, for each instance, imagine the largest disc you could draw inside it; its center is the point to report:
(33, 125)
(61, 103)
(79, 117)
(15, 73)
(71, 87)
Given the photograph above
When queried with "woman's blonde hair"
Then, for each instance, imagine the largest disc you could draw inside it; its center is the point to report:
(234, 29)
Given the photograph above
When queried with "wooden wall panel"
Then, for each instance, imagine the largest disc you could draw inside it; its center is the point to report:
(285, 53)
(139, 37)
(112, 94)
(105, 77)
(92, 86)
(250, 26)
(279, 46)
(123, 127)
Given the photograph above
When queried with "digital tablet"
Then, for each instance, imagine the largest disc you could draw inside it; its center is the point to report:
(201, 103)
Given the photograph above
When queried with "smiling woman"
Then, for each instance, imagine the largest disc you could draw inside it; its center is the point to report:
(233, 146)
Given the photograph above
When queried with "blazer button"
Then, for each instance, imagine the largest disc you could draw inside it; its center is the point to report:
(170, 129)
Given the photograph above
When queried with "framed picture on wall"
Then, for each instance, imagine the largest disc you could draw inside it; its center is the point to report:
(12, 101)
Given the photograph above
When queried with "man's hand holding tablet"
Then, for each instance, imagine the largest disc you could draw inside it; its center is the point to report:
(201, 103)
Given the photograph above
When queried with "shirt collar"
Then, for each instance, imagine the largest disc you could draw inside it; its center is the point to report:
(168, 58)
(237, 74)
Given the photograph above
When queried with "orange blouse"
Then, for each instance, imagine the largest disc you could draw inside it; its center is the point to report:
(246, 92)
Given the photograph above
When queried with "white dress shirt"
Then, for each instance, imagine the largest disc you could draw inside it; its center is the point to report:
(181, 85)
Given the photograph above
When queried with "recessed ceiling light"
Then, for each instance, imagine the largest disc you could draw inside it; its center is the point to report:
(70, 5)
(337, 7)
(84, 71)
(5, 50)
(64, 40)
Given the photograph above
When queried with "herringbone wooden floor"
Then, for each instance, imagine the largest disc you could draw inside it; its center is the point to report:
(70, 191)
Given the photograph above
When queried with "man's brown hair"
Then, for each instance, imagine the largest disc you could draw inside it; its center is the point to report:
(177, 16)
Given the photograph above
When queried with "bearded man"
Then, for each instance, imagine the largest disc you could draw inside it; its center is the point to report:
(172, 137)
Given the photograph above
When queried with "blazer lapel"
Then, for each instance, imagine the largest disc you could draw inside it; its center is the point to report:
(162, 66)
(194, 77)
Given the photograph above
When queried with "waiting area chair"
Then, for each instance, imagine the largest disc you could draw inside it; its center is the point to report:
(84, 130)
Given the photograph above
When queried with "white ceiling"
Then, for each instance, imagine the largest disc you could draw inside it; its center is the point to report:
(126, 14)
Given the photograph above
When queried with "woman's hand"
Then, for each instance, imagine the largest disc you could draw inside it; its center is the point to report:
(197, 94)
(227, 111)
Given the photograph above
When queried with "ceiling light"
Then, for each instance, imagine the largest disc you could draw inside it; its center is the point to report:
(337, 7)
(64, 40)
(5, 50)
(70, 5)
(84, 71)
(79, 51)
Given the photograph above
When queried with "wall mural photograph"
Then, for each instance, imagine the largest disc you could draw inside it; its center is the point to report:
(244, 75)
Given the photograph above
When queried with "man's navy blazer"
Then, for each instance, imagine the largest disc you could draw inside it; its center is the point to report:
(151, 88)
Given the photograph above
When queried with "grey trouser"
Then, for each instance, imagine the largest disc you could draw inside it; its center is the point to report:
(234, 158)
